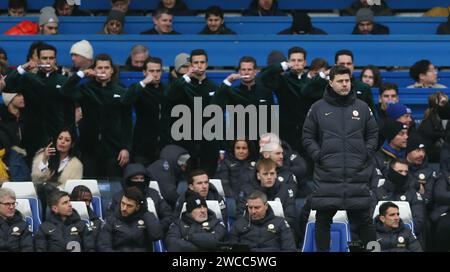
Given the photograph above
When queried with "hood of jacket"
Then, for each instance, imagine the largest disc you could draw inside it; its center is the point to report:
(171, 153)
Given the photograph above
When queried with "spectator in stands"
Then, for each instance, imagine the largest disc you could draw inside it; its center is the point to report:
(301, 25)
(176, 7)
(318, 65)
(4, 69)
(423, 176)
(151, 130)
(432, 127)
(388, 95)
(400, 113)
(115, 23)
(48, 21)
(397, 187)
(326, 119)
(444, 28)
(365, 23)
(215, 23)
(198, 229)
(170, 171)
(67, 8)
(314, 89)
(57, 162)
(198, 181)
(14, 230)
(394, 145)
(136, 175)
(124, 6)
(263, 8)
(441, 215)
(378, 10)
(260, 229)
(392, 234)
(17, 8)
(106, 130)
(82, 55)
(229, 170)
(32, 55)
(287, 86)
(196, 84)
(132, 228)
(135, 62)
(371, 76)
(425, 75)
(181, 66)
(64, 231)
(275, 57)
(82, 193)
(162, 21)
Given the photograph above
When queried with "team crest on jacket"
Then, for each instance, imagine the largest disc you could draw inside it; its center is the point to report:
(73, 231)
(403, 198)
(281, 179)
(355, 115)
(421, 176)
(15, 231)
(293, 156)
(271, 228)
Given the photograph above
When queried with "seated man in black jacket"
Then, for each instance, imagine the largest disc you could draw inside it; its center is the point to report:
(365, 23)
(215, 22)
(198, 229)
(130, 228)
(392, 234)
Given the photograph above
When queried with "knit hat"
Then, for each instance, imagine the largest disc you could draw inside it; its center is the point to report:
(395, 111)
(301, 22)
(83, 48)
(116, 15)
(391, 128)
(8, 97)
(181, 60)
(48, 15)
(182, 159)
(194, 200)
(274, 57)
(415, 141)
(364, 14)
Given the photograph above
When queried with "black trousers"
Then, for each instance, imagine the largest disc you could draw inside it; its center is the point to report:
(361, 219)
(101, 167)
(442, 233)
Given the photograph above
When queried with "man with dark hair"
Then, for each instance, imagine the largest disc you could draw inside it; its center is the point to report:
(17, 8)
(392, 234)
(162, 20)
(425, 75)
(301, 25)
(198, 229)
(106, 131)
(215, 22)
(318, 65)
(151, 131)
(315, 88)
(398, 187)
(15, 232)
(67, 8)
(388, 94)
(260, 229)
(191, 86)
(64, 231)
(287, 79)
(198, 181)
(341, 135)
(132, 228)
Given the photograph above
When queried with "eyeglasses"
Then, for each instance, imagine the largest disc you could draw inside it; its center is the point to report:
(14, 204)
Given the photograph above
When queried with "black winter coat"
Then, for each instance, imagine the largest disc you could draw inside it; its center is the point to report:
(441, 196)
(15, 234)
(340, 134)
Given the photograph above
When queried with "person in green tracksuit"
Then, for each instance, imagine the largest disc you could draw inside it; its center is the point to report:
(150, 133)
(106, 130)
(315, 88)
(287, 80)
(42, 94)
(183, 91)
(248, 92)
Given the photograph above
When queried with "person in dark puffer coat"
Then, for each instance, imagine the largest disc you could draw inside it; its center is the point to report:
(340, 134)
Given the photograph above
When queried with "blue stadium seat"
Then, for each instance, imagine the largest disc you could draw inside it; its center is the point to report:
(24, 208)
(26, 190)
(93, 187)
(339, 233)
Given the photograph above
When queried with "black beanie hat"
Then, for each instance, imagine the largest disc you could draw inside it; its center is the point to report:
(391, 128)
(194, 200)
(415, 141)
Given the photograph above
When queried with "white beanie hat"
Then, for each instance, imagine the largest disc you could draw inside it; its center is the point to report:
(8, 97)
(48, 15)
(83, 48)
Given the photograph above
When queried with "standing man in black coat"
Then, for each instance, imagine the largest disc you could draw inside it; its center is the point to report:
(340, 134)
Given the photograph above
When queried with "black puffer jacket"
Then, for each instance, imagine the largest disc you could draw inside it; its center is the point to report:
(188, 235)
(271, 234)
(441, 196)
(15, 235)
(167, 172)
(340, 134)
(424, 173)
(130, 234)
(396, 240)
(73, 234)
